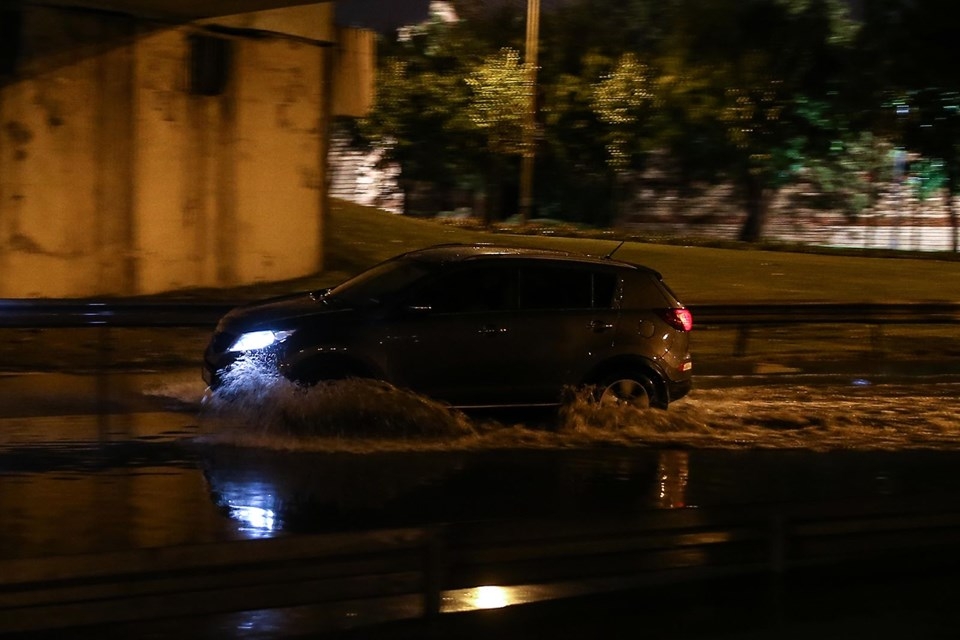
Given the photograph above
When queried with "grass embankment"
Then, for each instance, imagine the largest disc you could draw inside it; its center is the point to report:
(358, 237)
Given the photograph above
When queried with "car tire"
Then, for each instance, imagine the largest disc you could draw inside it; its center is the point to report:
(628, 389)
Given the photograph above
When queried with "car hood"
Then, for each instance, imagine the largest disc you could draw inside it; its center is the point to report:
(272, 311)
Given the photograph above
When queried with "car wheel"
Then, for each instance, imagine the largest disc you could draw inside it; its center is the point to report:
(628, 390)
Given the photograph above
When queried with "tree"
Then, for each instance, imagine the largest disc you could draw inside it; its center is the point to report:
(851, 176)
(420, 114)
(746, 92)
(622, 100)
(737, 82)
(497, 107)
(587, 150)
(910, 85)
(574, 181)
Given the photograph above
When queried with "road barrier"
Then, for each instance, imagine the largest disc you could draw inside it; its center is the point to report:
(669, 546)
(69, 313)
(748, 319)
(48, 313)
(744, 320)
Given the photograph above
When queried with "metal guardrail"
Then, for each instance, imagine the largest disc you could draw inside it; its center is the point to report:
(65, 313)
(827, 313)
(68, 313)
(653, 548)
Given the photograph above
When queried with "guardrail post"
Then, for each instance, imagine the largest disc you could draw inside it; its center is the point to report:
(433, 572)
(102, 366)
(876, 340)
(778, 544)
(740, 346)
(778, 561)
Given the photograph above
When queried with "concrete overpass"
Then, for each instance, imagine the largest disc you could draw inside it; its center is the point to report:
(151, 145)
(179, 10)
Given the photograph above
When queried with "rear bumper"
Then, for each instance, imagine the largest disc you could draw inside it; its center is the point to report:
(679, 389)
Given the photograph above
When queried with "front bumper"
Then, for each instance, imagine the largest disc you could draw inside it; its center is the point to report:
(212, 371)
(207, 376)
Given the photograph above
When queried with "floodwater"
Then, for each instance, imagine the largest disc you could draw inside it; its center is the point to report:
(93, 465)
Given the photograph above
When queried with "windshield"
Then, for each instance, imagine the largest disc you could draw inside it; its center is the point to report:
(379, 282)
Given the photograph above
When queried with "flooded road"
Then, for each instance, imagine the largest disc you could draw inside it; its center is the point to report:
(92, 465)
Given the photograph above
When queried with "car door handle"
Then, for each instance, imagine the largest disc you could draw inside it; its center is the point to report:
(599, 326)
(491, 330)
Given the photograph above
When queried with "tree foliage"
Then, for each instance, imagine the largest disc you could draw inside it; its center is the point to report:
(911, 89)
(497, 106)
(741, 79)
(622, 100)
(755, 93)
(417, 117)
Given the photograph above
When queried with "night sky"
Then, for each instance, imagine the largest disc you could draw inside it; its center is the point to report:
(381, 15)
(386, 15)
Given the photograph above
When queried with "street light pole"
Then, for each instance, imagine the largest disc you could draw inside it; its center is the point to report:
(530, 126)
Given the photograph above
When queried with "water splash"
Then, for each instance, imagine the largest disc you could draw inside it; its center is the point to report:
(256, 407)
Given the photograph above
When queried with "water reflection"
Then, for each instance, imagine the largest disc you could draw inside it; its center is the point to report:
(490, 597)
(267, 492)
(673, 472)
(260, 522)
(149, 479)
(62, 500)
(310, 491)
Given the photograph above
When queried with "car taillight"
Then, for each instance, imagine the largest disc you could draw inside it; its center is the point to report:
(679, 318)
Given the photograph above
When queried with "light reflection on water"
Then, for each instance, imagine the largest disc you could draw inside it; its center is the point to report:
(155, 479)
(260, 522)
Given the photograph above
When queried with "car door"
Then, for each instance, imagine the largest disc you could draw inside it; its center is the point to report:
(566, 323)
(453, 335)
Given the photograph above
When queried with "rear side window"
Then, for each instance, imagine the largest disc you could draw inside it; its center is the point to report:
(564, 287)
(645, 291)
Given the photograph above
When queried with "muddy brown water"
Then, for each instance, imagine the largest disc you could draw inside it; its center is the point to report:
(160, 469)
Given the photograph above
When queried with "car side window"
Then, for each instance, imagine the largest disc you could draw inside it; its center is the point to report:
(563, 287)
(473, 289)
(604, 290)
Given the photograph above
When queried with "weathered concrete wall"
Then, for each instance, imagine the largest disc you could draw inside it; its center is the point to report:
(175, 170)
(118, 177)
(65, 188)
(229, 185)
(354, 72)
(279, 173)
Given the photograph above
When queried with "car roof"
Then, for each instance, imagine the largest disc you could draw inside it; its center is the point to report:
(446, 253)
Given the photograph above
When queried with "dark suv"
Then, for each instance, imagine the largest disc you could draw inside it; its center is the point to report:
(476, 326)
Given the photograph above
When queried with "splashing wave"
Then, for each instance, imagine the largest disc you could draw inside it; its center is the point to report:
(256, 407)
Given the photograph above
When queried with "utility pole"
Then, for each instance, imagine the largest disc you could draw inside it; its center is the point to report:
(530, 126)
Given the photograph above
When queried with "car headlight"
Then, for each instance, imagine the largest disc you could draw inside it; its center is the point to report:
(256, 340)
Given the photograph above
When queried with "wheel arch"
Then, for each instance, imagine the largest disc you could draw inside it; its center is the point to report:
(633, 365)
(313, 367)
